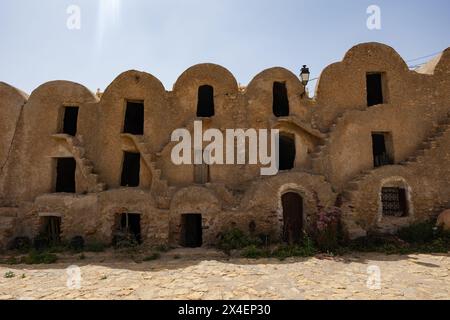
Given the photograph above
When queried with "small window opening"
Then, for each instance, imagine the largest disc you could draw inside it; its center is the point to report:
(134, 118)
(287, 152)
(374, 82)
(191, 230)
(394, 202)
(131, 169)
(205, 104)
(382, 149)
(65, 175)
(70, 122)
(280, 100)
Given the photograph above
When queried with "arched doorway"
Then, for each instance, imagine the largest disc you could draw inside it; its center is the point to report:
(292, 204)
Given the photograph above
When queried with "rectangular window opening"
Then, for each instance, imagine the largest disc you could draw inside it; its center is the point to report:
(70, 122)
(134, 118)
(205, 102)
(65, 175)
(131, 169)
(280, 99)
(375, 86)
(382, 148)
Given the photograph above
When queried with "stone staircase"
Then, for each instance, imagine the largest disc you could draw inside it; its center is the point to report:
(319, 150)
(427, 146)
(86, 165)
(8, 218)
(160, 186)
(430, 143)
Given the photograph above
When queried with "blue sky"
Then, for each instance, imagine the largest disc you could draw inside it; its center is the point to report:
(165, 37)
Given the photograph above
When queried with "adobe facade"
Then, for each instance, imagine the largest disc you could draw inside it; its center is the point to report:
(386, 165)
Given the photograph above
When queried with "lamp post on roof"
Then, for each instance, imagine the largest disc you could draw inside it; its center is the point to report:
(304, 77)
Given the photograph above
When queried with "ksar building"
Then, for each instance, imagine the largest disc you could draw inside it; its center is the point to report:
(375, 141)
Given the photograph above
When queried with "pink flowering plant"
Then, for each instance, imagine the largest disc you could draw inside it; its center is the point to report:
(328, 231)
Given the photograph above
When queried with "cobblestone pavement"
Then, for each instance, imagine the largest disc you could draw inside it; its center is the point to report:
(205, 274)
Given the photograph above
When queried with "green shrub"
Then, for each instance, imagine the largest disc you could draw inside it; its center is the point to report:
(253, 252)
(9, 275)
(94, 247)
(41, 242)
(419, 233)
(122, 240)
(39, 258)
(77, 244)
(21, 244)
(235, 239)
(153, 256)
(305, 249)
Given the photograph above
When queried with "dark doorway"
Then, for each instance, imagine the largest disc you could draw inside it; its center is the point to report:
(381, 145)
(280, 100)
(130, 223)
(205, 104)
(191, 230)
(51, 229)
(131, 169)
(70, 120)
(287, 152)
(134, 118)
(394, 201)
(374, 82)
(292, 217)
(65, 175)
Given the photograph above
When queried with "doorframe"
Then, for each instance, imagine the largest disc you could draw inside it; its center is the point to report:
(182, 239)
(290, 188)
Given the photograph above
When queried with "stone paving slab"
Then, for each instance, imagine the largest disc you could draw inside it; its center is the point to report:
(213, 277)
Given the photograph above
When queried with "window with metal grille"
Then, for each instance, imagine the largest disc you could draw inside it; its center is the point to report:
(394, 202)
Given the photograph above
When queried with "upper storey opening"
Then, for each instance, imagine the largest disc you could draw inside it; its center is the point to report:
(376, 87)
(205, 101)
(70, 122)
(134, 118)
(280, 99)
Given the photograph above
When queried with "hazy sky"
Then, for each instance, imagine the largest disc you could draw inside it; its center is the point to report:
(165, 37)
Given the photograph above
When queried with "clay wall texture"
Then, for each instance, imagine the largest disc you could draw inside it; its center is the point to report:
(333, 138)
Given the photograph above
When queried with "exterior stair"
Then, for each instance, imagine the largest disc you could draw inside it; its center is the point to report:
(430, 143)
(319, 150)
(160, 187)
(86, 165)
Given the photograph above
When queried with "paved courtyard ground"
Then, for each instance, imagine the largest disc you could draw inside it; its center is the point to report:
(207, 274)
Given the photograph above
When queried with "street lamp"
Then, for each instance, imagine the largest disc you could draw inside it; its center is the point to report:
(304, 76)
